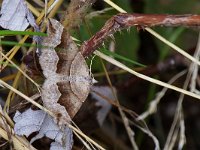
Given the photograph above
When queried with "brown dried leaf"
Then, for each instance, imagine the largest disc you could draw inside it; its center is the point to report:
(68, 81)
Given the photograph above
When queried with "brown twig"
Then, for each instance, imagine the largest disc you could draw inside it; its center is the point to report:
(124, 20)
(75, 12)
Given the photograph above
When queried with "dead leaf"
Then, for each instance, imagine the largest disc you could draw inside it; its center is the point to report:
(7, 133)
(31, 121)
(68, 81)
(105, 105)
(27, 123)
(16, 16)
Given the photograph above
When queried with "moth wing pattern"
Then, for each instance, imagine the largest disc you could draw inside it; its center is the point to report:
(81, 80)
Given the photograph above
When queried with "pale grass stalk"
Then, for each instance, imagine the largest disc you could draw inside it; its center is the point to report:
(173, 139)
(13, 51)
(84, 143)
(146, 130)
(115, 6)
(39, 2)
(23, 48)
(54, 8)
(158, 82)
(16, 48)
(97, 13)
(86, 137)
(6, 132)
(137, 124)
(195, 71)
(178, 122)
(181, 51)
(175, 127)
(17, 141)
(11, 94)
(9, 77)
(4, 84)
(33, 9)
(18, 68)
(179, 115)
(129, 131)
(154, 103)
(74, 124)
(182, 138)
(53, 5)
(45, 9)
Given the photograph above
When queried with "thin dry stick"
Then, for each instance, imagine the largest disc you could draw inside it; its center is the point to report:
(154, 103)
(84, 143)
(18, 68)
(86, 137)
(21, 143)
(178, 119)
(18, 143)
(122, 66)
(11, 94)
(129, 131)
(4, 84)
(195, 71)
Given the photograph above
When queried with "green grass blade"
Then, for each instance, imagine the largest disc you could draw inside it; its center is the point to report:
(9, 32)
(107, 52)
(11, 43)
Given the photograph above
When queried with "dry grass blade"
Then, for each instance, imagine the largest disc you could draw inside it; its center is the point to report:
(18, 68)
(158, 82)
(178, 122)
(17, 141)
(181, 51)
(86, 137)
(75, 13)
(129, 131)
(154, 103)
(4, 84)
(6, 132)
(11, 93)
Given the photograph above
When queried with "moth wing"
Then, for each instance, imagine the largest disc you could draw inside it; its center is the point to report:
(81, 80)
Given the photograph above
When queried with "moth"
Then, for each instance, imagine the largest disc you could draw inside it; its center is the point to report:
(67, 76)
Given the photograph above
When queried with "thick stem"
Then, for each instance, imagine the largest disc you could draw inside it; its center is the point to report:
(124, 20)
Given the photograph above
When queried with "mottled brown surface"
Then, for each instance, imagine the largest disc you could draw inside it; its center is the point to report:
(68, 81)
